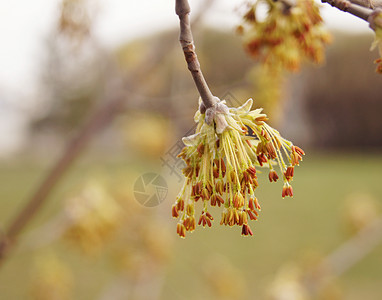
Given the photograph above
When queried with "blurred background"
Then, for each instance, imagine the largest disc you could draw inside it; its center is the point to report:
(106, 82)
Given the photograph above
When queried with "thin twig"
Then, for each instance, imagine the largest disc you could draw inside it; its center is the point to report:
(182, 9)
(357, 10)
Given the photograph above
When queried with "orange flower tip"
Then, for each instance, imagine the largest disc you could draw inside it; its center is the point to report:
(244, 179)
(298, 150)
(182, 235)
(181, 230)
(290, 191)
(261, 119)
(205, 194)
(213, 200)
(175, 212)
(273, 177)
(251, 215)
(287, 191)
(257, 204)
(246, 230)
(283, 193)
(250, 204)
(289, 173)
(262, 159)
(209, 187)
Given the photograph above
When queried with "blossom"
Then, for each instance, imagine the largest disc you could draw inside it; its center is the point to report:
(222, 158)
(52, 279)
(92, 216)
(286, 35)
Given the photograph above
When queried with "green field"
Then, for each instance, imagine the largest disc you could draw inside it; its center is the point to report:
(214, 262)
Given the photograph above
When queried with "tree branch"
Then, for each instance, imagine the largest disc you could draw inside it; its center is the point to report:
(354, 9)
(182, 9)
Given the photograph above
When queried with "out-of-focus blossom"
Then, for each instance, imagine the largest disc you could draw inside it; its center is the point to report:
(288, 285)
(93, 217)
(286, 35)
(51, 279)
(224, 279)
(360, 210)
(308, 278)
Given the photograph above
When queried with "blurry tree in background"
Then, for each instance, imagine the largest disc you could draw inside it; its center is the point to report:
(74, 70)
(98, 229)
(348, 116)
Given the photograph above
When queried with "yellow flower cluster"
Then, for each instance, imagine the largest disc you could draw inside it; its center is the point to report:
(221, 159)
(286, 34)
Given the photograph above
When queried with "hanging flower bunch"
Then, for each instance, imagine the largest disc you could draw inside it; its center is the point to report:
(221, 160)
(286, 35)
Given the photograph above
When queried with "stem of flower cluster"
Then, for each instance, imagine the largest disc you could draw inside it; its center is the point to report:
(182, 9)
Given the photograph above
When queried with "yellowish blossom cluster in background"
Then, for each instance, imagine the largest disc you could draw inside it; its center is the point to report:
(105, 223)
(286, 35)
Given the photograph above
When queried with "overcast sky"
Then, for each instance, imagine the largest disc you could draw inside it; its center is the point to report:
(25, 24)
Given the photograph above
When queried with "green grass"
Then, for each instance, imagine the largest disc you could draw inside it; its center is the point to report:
(287, 230)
